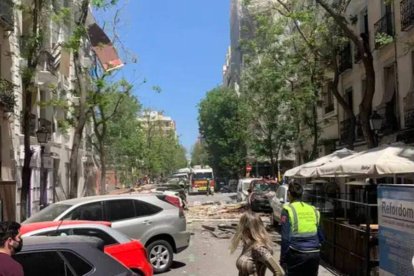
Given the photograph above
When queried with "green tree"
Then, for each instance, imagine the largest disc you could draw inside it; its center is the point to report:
(223, 123)
(199, 155)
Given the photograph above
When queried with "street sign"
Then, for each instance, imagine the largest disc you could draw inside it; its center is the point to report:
(249, 168)
(396, 224)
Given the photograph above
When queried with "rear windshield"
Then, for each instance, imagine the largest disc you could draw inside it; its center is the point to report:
(203, 175)
(49, 213)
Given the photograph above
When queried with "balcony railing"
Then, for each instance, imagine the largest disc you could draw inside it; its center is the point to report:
(384, 26)
(345, 58)
(389, 121)
(6, 14)
(407, 14)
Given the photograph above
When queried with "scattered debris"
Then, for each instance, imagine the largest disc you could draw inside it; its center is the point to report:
(215, 210)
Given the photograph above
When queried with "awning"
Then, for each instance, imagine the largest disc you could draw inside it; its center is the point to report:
(396, 158)
(309, 169)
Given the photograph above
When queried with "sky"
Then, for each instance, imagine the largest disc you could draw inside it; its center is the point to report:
(181, 47)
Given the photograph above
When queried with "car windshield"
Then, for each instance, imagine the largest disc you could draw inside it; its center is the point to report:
(246, 185)
(203, 175)
(49, 213)
(264, 187)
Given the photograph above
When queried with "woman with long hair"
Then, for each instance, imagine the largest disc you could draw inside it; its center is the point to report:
(257, 253)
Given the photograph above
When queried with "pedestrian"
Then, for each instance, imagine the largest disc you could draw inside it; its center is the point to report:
(208, 186)
(10, 244)
(257, 253)
(301, 235)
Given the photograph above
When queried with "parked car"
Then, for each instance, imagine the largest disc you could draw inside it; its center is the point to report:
(158, 221)
(64, 256)
(129, 252)
(316, 193)
(262, 191)
(242, 186)
(277, 202)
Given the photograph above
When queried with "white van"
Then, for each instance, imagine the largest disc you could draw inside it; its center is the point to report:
(242, 187)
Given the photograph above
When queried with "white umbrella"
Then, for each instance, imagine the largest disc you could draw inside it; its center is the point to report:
(383, 160)
(309, 169)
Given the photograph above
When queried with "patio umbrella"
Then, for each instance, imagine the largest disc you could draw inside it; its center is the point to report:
(384, 160)
(309, 169)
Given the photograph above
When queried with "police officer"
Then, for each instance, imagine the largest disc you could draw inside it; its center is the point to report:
(301, 235)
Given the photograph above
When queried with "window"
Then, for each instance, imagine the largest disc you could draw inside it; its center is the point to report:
(91, 211)
(54, 233)
(328, 100)
(107, 239)
(145, 209)
(80, 266)
(45, 263)
(49, 213)
(119, 209)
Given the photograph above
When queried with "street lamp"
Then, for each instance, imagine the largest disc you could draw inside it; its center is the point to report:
(376, 124)
(42, 138)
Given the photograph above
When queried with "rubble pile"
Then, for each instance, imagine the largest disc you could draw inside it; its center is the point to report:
(215, 210)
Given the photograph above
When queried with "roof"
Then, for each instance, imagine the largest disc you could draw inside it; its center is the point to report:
(61, 241)
(25, 228)
(75, 201)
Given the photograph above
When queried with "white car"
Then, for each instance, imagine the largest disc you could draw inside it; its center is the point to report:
(242, 187)
(277, 203)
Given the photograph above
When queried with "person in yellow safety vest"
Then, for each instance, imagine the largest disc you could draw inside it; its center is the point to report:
(301, 235)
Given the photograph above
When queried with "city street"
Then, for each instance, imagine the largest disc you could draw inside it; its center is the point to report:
(208, 255)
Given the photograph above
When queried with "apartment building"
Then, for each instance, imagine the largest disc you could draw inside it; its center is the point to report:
(389, 28)
(54, 79)
(157, 120)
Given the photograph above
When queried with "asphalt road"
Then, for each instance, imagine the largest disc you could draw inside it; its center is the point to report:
(210, 256)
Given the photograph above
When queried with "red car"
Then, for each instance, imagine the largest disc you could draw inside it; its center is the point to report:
(129, 252)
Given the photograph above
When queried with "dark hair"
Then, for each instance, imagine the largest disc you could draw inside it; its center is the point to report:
(295, 190)
(8, 229)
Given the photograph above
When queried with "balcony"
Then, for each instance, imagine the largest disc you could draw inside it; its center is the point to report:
(345, 58)
(384, 28)
(6, 14)
(407, 14)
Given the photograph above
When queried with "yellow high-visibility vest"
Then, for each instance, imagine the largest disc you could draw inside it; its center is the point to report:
(304, 219)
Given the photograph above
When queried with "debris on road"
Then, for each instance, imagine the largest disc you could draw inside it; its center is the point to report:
(215, 210)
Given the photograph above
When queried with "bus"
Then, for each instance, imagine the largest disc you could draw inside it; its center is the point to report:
(200, 178)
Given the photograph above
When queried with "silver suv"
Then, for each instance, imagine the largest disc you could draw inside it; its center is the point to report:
(157, 221)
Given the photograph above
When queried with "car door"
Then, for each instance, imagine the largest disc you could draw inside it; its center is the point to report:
(52, 263)
(278, 201)
(131, 217)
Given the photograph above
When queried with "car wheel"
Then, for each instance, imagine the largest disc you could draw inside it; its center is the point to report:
(160, 255)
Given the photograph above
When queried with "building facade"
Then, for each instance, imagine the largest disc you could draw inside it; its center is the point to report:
(54, 80)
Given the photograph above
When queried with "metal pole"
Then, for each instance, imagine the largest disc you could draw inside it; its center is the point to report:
(367, 240)
(42, 178)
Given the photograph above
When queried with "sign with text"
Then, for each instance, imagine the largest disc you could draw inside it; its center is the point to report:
(396, 229)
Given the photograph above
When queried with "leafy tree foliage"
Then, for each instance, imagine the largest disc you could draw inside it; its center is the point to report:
(223, 125)
(199, 155)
